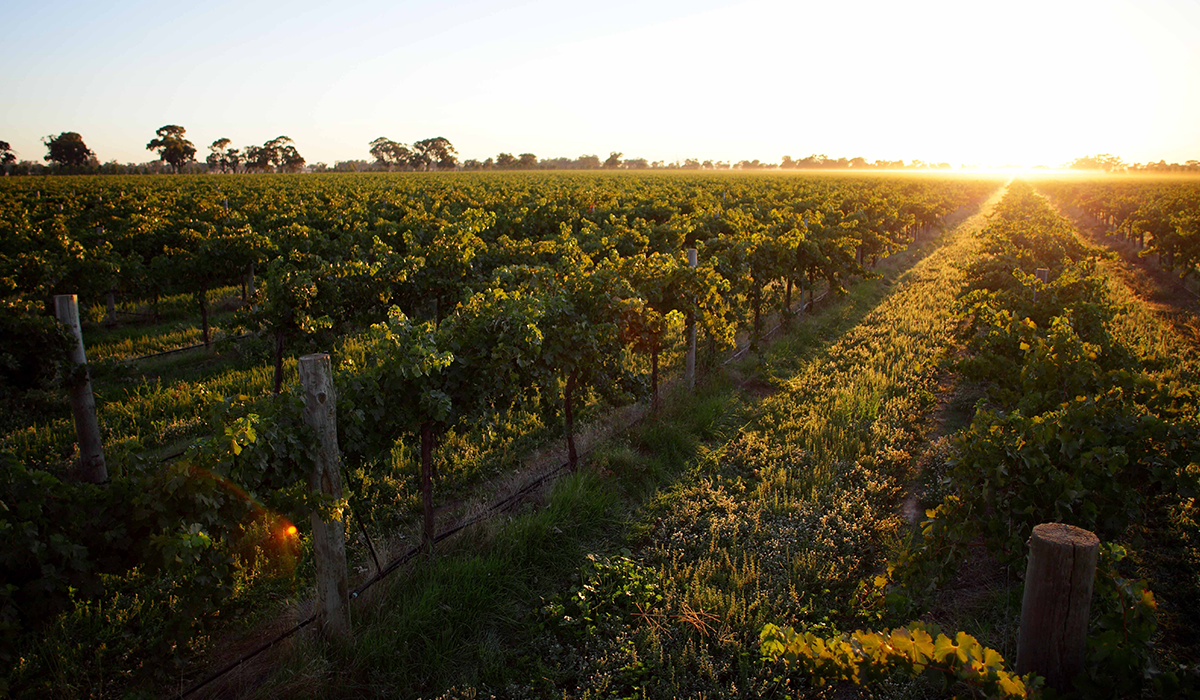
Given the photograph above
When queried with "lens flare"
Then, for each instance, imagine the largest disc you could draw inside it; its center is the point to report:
(266, 534)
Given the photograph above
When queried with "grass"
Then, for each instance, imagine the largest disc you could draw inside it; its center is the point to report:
(139, 413)
(143, 342)
(175, 307)
(738, 509)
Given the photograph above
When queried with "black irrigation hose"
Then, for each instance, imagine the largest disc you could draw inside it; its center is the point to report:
(184, 348)
(217, 674)
(810, 305)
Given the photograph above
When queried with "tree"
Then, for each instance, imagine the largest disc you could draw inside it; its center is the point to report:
(388, 153)
(279, 154)
(7, 156)
(256, 158)
(68, 150)
(216, 154)
(282, 154)
(527, 161)
(223, 158)
(172, 147)
(613, 160)
(588, 162)
(435, 152)
(1105, 161)
(506, 160)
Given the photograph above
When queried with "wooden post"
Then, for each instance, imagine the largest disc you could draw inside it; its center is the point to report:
(111, 302)
(1043, 274)
(428, 534)
(83, 403)
(1054, 611)
(329, 545)
(569, 417)
(690, 370)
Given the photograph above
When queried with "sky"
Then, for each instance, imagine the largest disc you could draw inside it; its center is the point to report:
(980, 83)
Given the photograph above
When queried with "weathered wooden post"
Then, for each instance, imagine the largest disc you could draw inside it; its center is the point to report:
(83, 403)
(111, 303)
(1043, 274)
(1054, 610)
(329, 545)
(690, 369)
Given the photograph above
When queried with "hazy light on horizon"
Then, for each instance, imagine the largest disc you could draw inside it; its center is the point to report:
(1020, 83)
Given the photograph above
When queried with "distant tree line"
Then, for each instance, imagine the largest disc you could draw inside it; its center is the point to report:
(381, 148)
(68, 154)
(1113, 164)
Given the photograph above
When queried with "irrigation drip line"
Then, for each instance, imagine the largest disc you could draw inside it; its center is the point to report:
(768, 334)
(184, 348)
(217, 674)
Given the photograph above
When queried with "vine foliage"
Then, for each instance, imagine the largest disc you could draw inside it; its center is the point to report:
(865, 656)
